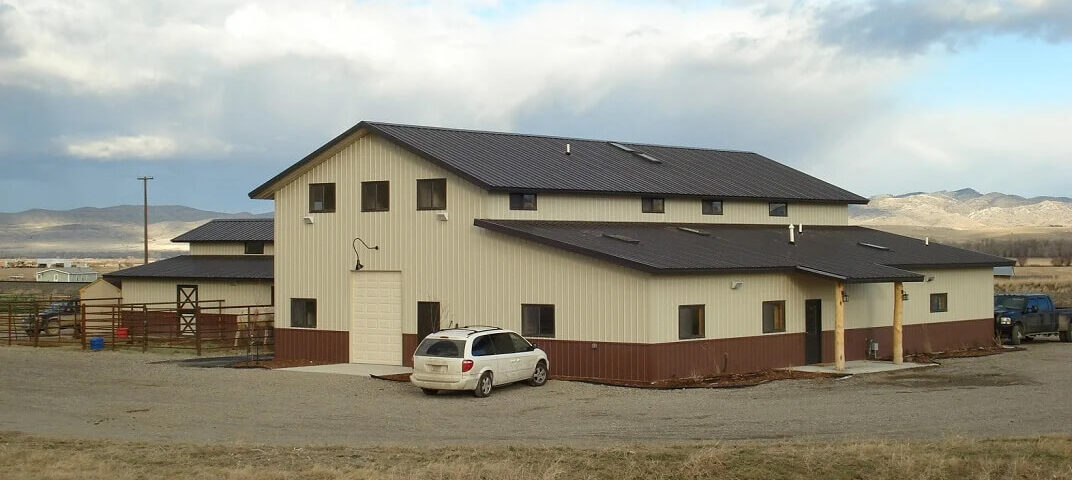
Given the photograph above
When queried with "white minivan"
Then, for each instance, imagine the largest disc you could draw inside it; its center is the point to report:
(476, 358)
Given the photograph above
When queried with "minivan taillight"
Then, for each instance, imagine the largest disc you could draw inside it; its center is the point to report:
(467, 365)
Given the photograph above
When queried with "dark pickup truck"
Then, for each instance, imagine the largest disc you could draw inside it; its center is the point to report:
(1018, 316)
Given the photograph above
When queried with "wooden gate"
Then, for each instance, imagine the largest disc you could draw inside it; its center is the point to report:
(186, 307)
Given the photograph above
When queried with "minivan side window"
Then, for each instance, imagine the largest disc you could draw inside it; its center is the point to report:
(482, 346)
(503, 344)
(520, 344)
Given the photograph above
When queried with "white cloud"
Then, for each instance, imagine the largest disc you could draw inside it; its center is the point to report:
(140, 147)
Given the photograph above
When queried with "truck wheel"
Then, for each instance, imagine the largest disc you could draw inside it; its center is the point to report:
(52, 327)
(1017, 335)
(1066, 336)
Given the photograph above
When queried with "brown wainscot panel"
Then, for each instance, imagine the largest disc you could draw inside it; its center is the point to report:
(917, 338)
(409, 345)
(310, 344)
(637, 362)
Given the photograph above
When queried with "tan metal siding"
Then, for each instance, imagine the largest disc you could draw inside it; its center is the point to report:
(971, 297)
(225, 248)
(232, 293)
(627, 209)
(479, 277)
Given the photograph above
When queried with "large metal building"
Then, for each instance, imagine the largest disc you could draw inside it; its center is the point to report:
(624, 261)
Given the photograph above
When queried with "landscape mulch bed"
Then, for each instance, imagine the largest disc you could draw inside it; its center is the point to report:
(273, 364)
(397, 377)
(961, 353)
(732, 380)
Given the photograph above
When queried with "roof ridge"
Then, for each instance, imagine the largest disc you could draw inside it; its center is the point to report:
(554, 137)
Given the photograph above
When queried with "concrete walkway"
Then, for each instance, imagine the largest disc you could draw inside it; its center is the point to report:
(361, 369)
(856, 367)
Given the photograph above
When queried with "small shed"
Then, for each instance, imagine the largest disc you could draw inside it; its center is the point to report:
(72, 274)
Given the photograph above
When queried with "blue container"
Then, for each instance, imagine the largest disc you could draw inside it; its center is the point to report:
(96, 343)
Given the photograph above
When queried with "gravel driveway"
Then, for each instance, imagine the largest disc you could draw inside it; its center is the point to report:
(120, 395)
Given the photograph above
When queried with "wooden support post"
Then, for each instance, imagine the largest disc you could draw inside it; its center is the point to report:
(898, 322)
(82, 325)
(839, 326)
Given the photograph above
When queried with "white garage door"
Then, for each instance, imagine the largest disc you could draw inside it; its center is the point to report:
(376, 328)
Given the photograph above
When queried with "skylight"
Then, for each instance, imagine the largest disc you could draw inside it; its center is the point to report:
(871, 245)
(621, 238)
(636, 152)
(649, 158)
(693, 230)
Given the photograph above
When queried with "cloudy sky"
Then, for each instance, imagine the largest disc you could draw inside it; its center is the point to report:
(213, 97)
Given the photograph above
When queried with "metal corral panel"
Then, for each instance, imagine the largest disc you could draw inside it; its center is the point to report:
(376, 328)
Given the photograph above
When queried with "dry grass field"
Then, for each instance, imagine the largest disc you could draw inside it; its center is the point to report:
(27, 457)
(1055, 281)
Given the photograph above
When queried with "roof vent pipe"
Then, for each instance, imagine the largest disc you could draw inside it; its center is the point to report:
(567, 149)
(927, 241)
(800, 228)
(792, 235)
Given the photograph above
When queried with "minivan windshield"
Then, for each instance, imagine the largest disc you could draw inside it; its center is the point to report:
(441, 347)
(1010, 303)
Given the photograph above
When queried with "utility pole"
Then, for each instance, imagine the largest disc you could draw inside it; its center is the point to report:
(145, 205)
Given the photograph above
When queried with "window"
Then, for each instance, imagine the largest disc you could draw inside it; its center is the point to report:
(538, 320)
(774, 316)
(375, 196)
(522, 201)
(441, 347)
(711, 206)
(502, 343)
(520, 344)
(939, 302)
(303, 313)
(652, 205)
(690, 321)
(321, 197)
(779, 209)
(254, 248)
(432, 194)
(482, 346)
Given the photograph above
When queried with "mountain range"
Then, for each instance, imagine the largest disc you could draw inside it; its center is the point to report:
(101, 232)
(964, 209)
(115, 232)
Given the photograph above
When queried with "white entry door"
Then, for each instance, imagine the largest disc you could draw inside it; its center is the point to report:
(376, 325)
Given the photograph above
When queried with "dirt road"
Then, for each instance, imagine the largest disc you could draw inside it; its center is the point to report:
(119, 395)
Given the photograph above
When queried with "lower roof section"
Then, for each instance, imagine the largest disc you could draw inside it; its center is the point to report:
(230, 267)
(845, 253)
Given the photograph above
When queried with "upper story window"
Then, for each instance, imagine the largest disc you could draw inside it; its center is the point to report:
(254, 248)
(779, 209)
(522, 201)
(375, 196)
(711, 206)
(432, 194)
(321, 197)
(652, 205)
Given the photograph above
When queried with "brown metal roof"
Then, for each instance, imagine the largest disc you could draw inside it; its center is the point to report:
(514, 162)
(231, 230)
(236, 267)
(841, 253)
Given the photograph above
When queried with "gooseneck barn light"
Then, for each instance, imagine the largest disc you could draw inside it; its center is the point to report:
(358, 265)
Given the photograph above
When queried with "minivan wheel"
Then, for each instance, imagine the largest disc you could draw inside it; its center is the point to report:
(429, 391)
(539, 376)
(1017, 334)
(483, 386)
